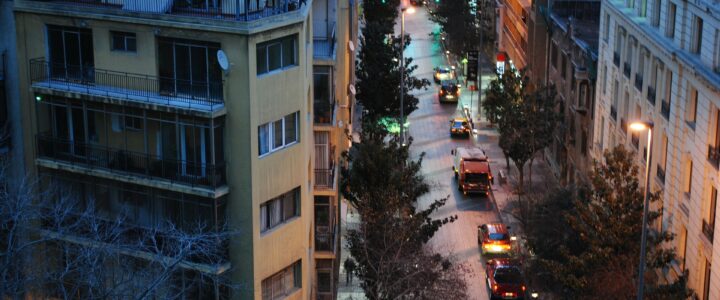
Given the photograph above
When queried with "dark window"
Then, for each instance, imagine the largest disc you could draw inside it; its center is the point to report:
(498, 236)
(280, 209)
(189, 68)
(276, 54)
(71, 53)
(508, 275)
(123, 41)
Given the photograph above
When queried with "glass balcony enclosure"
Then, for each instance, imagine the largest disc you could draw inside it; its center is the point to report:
(323, 95)
(145, 143)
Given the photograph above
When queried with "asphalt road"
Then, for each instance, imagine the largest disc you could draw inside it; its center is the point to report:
(429, 127)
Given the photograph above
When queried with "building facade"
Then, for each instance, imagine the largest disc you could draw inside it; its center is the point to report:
(659, 61)
(9, 94)
(198, 112)
(512, 31)
(568, 62)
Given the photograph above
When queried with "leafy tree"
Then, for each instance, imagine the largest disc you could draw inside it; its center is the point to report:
(459, 24)
(384, 184)
(587, 243)
(543, 119)
(378, 67)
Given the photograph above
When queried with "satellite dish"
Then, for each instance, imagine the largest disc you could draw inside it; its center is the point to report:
(351, 87)
(351, 46)
(222, 60)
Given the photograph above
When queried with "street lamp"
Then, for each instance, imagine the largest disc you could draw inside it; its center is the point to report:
(640, 126)
(403, 10)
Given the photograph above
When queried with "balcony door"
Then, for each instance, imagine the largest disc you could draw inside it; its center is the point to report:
(71, 53)
(69, 129)
(189, 69)
(193, 152)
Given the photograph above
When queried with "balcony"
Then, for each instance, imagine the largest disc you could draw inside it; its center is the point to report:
(132, 163)
(660, 174)
(708, 230)
(651, 95)
(714, 156)
(616, 59)
(324, 41)
(665, 110)
(324, 96)
(626, 69)
(227, 10)
(325, 177)
(613, 112)
(325, 240)
(638, 82)
(92, 82)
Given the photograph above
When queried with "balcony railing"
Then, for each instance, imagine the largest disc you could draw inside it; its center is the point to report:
(134, 163)
(613, 112)
(626, 69)
(323, 111)
(325, 178)
(638, 82)
(665, 109)
(651, 95)
(126, 86)
(324, 46)
(661, 173)
(616, 59)
(326, 240)
(708, 230)
(233, 10)
(714, 156)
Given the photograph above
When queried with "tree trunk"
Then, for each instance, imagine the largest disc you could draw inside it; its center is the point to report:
(520, 178)
(507, 161)
(530, 170)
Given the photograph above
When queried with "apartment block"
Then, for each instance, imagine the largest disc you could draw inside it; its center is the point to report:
(221, 112)
(512, 31)
(659, 61)
(568, 61)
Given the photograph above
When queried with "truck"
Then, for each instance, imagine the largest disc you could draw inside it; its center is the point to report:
(472, 170)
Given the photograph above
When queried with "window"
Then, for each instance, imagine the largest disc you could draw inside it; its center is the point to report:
(656, 13)
(706, 281)
(604, 79)
(189, 69)
(682, 247)
(554, 55)
(697, 31)
(123, 41)
(687, 187)
(276, 135)
(563, 67)
(643, 8)
(279, 210)
(712, 205)
(716, 52)
(276, 54)
(602, 133)
(691, 108)
(670, 29)
(283, 283)
(606, 27)
(71, 53)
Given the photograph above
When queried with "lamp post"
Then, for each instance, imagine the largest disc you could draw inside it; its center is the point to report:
(409, 10)
(639, 126)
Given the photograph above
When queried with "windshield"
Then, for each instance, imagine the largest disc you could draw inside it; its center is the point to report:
(477, 177)
(459, 124)
(443, 71)
(509, 275)
(498, 236)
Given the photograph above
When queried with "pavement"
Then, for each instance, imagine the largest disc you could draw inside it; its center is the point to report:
(429, 127)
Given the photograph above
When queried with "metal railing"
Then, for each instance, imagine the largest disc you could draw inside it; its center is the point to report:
(660, 173)
(708, 230)
(616, 59)
(665, 109)
(323, 110)
(651, 95)
(128, 86)
(714, 156)
(234, 10)
(135, 163)
(325, 178)
(626, 69)
(638, 82)
(326, 241)
(325, 46)
(613, 112)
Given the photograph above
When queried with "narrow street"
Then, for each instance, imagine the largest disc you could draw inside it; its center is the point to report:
(429, 127)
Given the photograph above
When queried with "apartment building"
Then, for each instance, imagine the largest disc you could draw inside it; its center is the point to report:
(512, 31)
(198, 112)
(568, 62)
(9, 105)
(660, 61)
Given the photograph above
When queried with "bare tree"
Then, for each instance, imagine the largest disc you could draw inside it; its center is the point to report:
(54, 245)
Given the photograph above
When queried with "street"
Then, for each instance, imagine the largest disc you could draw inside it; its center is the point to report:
(429, 127)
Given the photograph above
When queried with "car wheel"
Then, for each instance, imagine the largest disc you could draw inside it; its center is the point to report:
(456, 175)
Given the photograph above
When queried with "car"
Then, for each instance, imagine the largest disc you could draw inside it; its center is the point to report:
(416, 2)
(505, 279)
(459, 127)
(494, 238)
(449, 91)
(442, 73)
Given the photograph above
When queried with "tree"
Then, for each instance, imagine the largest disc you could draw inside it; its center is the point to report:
(53, 244)
(543, 119)
(378, 68)
(459, 24)
(587, 243)
(384, 184)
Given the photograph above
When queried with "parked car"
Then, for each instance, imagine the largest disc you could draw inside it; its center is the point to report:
(460, 127)
(505, 279)
(494, 238)
(442, 73)
(449, 91)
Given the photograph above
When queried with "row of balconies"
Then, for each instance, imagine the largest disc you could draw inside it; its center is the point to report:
(230, 10)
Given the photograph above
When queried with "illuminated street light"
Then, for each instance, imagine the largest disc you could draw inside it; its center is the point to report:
(640, 126)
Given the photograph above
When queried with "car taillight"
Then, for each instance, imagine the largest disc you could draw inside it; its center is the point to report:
(442, 92)
(495, 287)
(523, 288)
